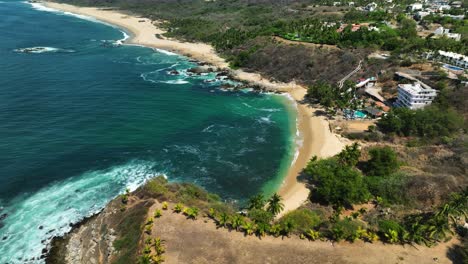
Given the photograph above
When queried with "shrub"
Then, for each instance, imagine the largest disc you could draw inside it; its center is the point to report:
(383, 162)
(156, 187)
(346, 229)
(391, 189)
(157, 213)
(391, 231)
(260, 216)
(302, 219)
(337, 184)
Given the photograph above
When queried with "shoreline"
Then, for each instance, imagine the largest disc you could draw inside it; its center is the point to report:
(313, 130)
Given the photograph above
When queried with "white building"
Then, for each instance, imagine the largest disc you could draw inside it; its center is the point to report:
(414, 96)
(416, 6)
(441, 8)
(441, 31)
(454, 58)
(371, 7)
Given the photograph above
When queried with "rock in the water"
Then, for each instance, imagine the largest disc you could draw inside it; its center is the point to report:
(3, 216)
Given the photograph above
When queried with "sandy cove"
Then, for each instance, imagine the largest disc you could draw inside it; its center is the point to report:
(314, 132)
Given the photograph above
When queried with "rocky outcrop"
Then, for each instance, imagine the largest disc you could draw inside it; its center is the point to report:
(92, 241)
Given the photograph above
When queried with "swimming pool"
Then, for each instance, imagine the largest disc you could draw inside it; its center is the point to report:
(453, 68)
(359, 114)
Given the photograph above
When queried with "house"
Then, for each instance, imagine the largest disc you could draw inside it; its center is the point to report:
(441, 31)
(456, 17)
(369, 82)
(454, 58)
(414, 96)
(456, 4)
(374, 112)
(421, 14)
(382, 106)
(351, 3)
(371, 7)
(441, 8)
(354, 27)
(415, 7)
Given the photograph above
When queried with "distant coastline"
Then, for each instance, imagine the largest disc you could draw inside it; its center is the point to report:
(314, 134)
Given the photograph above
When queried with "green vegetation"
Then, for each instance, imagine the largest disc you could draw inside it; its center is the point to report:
(275, 206)
(331, 96)
(302, 220)
(428, 123)
(383, 162)
(346, 229)
(256, 202)
(129, 234)
(337, 184)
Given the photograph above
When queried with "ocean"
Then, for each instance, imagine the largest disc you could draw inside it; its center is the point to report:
(83, 118)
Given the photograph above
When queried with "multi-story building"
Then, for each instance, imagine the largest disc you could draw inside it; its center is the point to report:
(454, 58)
(414, 96)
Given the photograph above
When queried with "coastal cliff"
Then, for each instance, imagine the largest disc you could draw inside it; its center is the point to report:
(187, 223)
(92, 240)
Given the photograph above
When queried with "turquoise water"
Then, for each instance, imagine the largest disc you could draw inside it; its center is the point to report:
(81, 119)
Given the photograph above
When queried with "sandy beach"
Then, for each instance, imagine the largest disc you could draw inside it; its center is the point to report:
(314, 132)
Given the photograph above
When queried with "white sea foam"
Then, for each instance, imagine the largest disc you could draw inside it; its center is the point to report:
(166, 52)
(208, 129)
(41, 7)
(178, 81)
(33, 219)
(265, 120)
(42, 50)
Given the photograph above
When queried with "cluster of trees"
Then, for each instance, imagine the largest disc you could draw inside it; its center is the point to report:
(331, 96)
(339, 182)
(431, 122)
(355, 16)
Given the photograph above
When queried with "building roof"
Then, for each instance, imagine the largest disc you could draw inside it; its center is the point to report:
(415, 89)
(453, 55)
(373, 111)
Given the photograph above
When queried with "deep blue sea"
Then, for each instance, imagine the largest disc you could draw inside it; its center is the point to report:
(82, 119)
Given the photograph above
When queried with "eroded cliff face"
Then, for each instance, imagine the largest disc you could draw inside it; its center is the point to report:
(108, 237)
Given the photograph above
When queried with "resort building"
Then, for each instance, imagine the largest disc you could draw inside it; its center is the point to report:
(441, 31)
(456, 59)
(414, 96)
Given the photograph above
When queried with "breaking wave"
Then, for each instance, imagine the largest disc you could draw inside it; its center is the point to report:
(32, 220)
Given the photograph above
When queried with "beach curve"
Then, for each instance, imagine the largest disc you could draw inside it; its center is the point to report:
(314, 133)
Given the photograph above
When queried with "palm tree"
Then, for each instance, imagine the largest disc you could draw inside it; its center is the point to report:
(262, 229)
(392, 236)
(275, 206)
(256, 202)
(157, 259)
(191, 212)
(275, 230)
(212, 213)
(312, 234)
(178, 208)
(148, 229)
(147, 250)
(144, 259)
(249, 228)
(157, 213)
(223, 219)
(237, 221)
